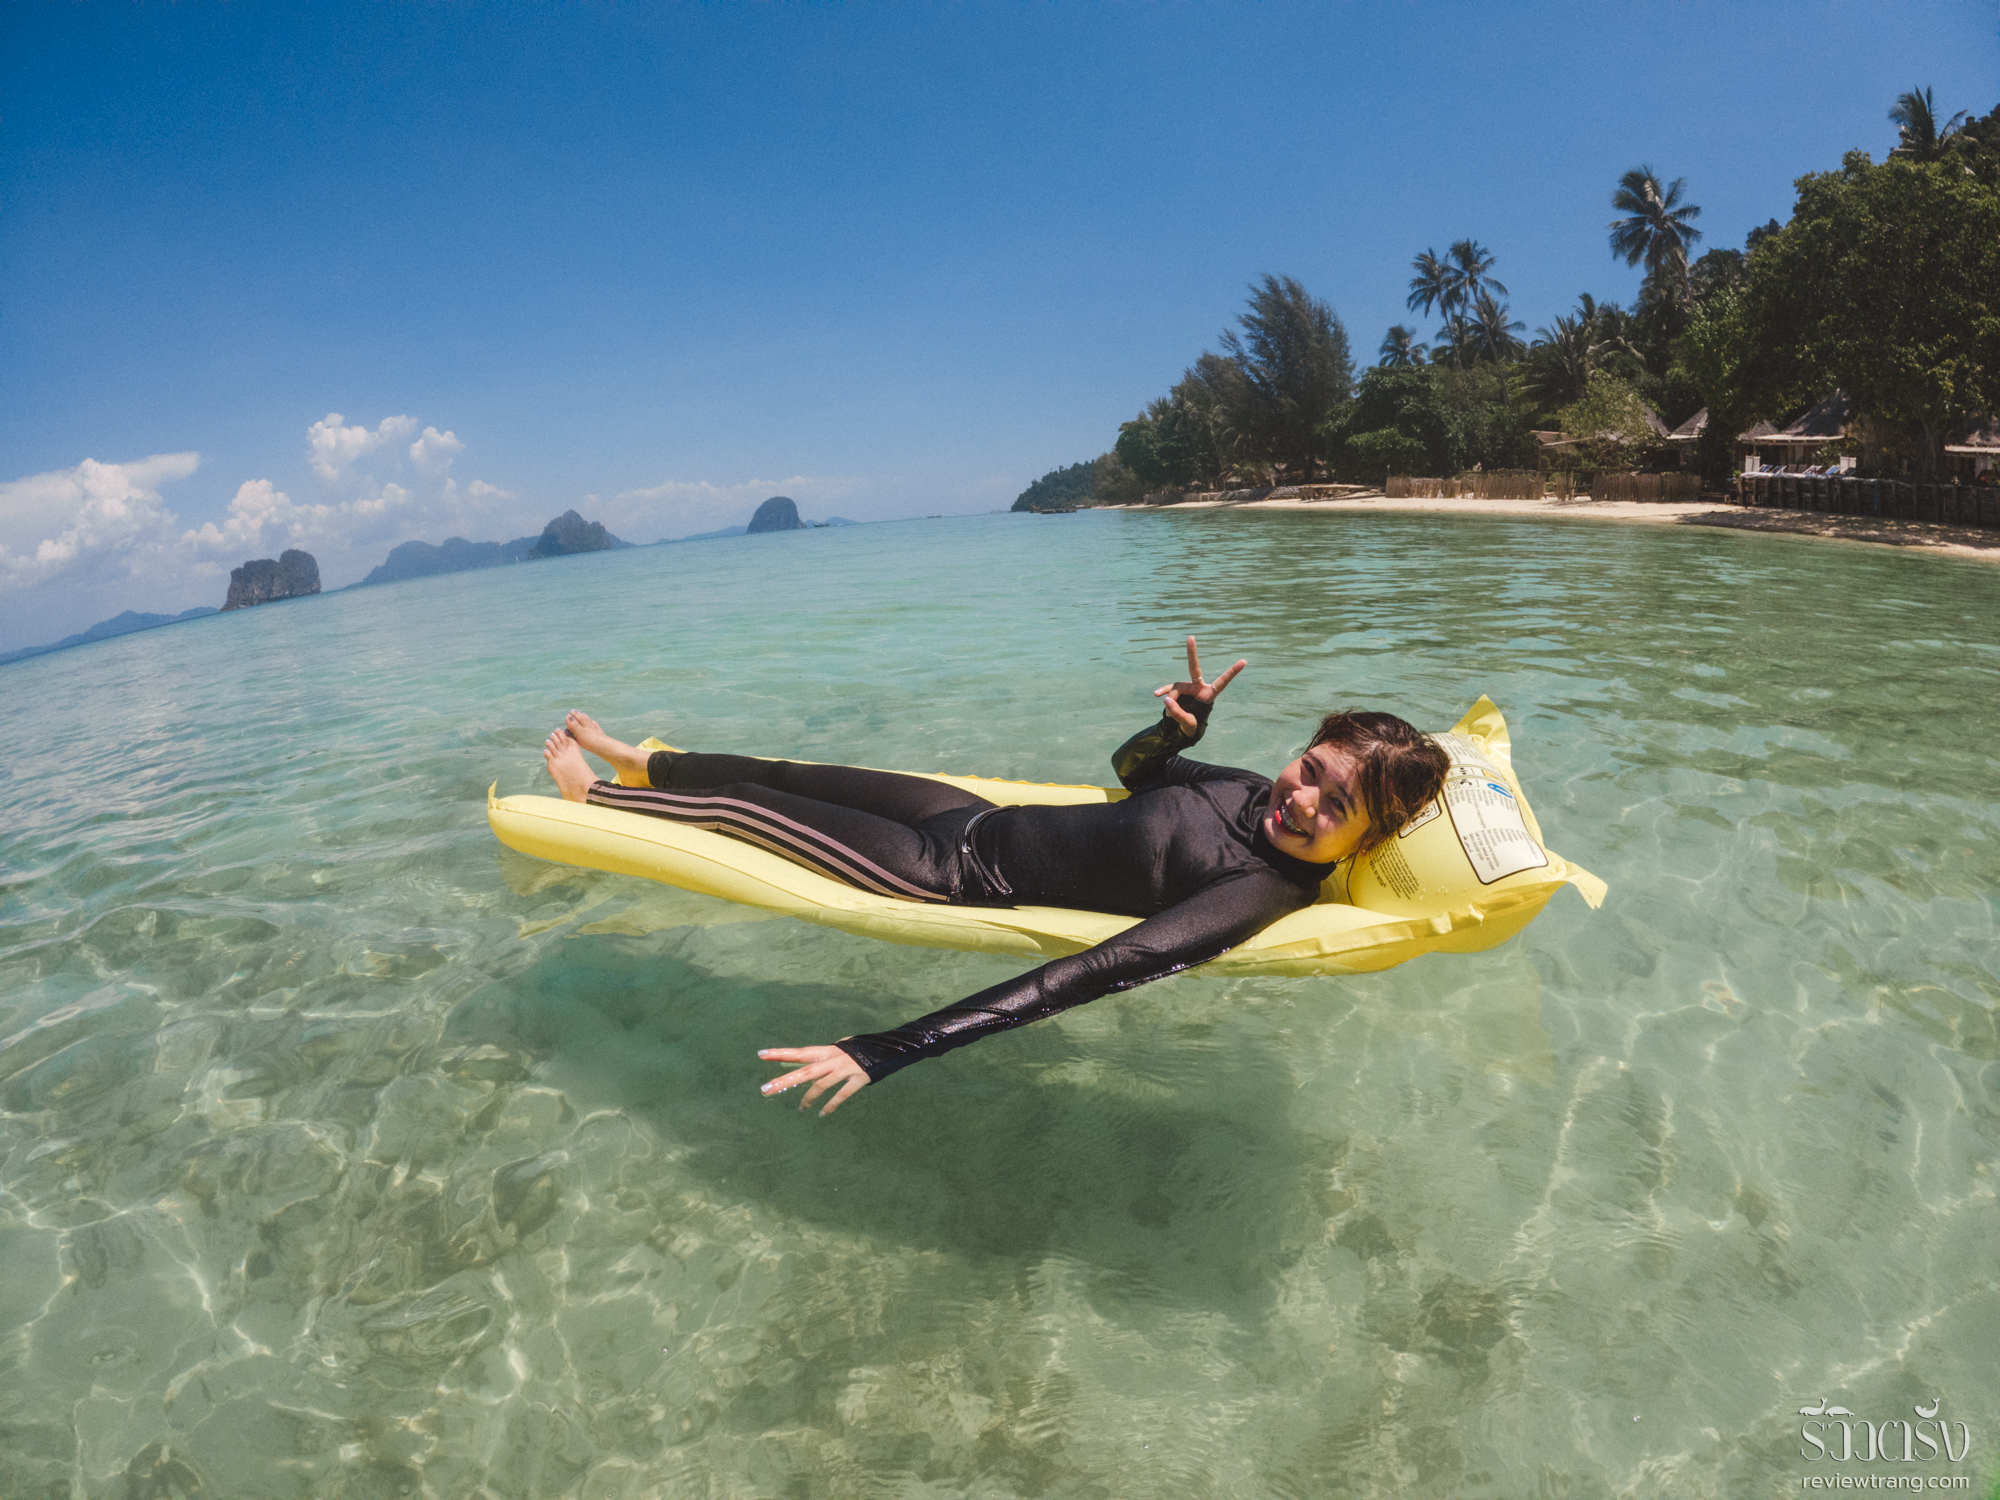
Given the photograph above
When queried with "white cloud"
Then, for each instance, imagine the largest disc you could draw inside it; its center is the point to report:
(260, 507)
(335, 447)
(434, 451)
(55, 524)
(79, 545)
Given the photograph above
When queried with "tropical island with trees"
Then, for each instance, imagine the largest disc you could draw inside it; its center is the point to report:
(1883, 286)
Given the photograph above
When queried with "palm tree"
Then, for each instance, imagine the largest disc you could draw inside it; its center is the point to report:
(1919, 136)
(1400, 348)
(1470, 261)
(1434, 286)
(1657, 228)
(1576, 344)
(1455, 341)
(1452, 284)
(1495, 335)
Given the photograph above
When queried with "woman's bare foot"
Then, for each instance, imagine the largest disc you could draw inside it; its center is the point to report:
(623, 757)
(568, 768)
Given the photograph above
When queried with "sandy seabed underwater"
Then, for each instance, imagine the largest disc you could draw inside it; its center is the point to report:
(346, 1153)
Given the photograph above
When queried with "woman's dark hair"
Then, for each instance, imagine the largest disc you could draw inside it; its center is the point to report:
(1402, 768)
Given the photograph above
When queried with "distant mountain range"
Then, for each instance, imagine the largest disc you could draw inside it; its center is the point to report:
(103, 630)
(565, 536)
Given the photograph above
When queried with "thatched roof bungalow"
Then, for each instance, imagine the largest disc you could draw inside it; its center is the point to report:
(1825, 421)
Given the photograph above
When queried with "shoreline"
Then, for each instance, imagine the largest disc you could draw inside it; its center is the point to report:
(1923, 536)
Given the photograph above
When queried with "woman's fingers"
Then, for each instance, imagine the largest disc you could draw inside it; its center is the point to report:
(1180, 715)
(824, 1067)
(1194, 663)
(813, 1057)
(1226, 678)
(847, 1091)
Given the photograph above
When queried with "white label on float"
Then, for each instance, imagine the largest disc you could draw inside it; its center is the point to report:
(1486, 815)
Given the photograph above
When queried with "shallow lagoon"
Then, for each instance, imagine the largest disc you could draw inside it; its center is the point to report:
(347, 1153)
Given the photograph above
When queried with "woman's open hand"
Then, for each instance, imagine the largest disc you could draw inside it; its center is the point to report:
(1197, 689)
(823, 1068)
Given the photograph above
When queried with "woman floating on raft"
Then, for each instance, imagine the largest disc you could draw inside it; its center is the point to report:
(1208, 856)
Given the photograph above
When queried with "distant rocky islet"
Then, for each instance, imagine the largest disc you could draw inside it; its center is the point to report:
(263, 580)
(779, 513)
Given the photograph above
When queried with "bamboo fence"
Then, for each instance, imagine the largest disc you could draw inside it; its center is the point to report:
(1671, 488)
(1495, 484)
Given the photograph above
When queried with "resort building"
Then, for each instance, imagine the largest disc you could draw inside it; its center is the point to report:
(1976, 452)
(1826, 421)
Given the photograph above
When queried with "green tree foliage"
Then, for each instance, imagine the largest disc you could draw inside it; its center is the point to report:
(1716, 272)
(1609, 423)
(1885, 284)
(1297, 370)
(1193, 437)
(1978, 147)
(1060, 489)
(1113, 483)
(1413, 419)
(1399, 423)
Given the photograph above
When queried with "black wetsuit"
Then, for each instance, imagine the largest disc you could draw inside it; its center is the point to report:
(1186, 852)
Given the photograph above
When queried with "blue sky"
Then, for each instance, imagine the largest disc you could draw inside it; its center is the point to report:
(657, 262)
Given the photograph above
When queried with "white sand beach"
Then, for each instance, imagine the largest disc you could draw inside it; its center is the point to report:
(1961, 541)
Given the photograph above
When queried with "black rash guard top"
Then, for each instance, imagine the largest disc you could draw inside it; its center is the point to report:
(1186, 852)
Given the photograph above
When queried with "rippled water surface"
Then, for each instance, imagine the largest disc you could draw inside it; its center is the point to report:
(346, 1153)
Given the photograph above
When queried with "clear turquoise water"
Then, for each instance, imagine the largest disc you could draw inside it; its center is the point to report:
(345, 1153)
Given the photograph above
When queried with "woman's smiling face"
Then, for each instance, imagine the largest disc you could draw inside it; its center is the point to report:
(1315, 812)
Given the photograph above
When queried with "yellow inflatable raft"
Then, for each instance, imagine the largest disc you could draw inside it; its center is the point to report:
(1467, 873)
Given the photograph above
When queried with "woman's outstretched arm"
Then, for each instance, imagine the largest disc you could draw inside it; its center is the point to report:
(1207, 924)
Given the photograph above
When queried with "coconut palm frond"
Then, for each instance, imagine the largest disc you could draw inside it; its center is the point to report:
(1400, 347)
(1495, 335)
(1472, 261)
(1434, 285)
(1658, 228)
(1919, 136)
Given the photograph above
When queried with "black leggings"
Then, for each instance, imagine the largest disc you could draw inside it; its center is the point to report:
(895, 835)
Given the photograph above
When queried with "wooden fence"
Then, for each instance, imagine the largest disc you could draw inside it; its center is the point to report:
(1837, 495)
(1495, 484)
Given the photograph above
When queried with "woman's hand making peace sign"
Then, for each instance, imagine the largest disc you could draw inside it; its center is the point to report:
(1197, 690)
